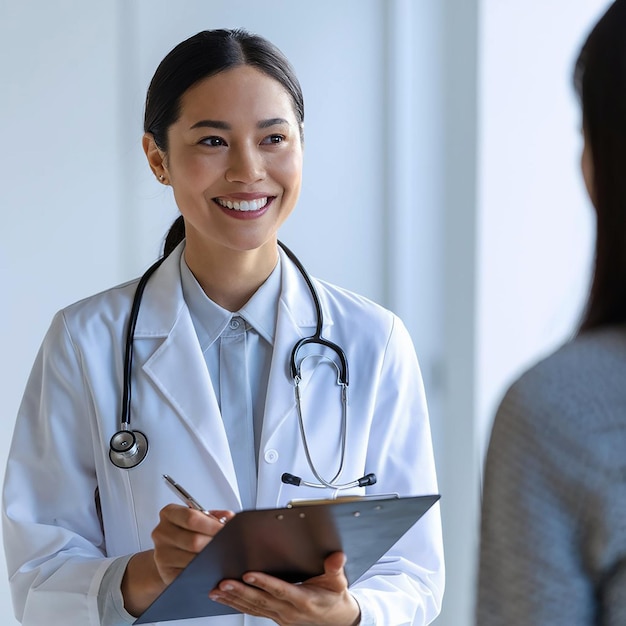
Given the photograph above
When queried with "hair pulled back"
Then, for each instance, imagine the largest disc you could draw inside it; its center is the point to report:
(203, 55)
(600, 80)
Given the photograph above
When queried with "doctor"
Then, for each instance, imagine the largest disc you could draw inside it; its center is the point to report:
(92, 537)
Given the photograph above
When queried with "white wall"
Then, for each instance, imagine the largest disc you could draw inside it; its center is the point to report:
(459, 460)
(536, 224)
(59, 188)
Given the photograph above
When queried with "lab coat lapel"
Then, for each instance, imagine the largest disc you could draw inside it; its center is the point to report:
(295, 319)
(177, 367)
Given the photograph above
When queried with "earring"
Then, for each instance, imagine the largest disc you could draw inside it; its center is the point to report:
(161, 178)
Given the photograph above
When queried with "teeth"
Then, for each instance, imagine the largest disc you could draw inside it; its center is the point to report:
(251, 205)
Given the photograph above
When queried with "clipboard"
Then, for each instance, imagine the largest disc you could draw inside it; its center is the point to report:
(289, 543)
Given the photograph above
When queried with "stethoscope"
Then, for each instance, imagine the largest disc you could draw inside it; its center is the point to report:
(128, 448)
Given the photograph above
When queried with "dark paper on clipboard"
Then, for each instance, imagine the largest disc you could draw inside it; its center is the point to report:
(289, 543)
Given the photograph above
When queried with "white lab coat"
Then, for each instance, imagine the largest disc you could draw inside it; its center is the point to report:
(58, 548)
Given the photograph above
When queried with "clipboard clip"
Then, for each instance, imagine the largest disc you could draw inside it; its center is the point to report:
(373, 496)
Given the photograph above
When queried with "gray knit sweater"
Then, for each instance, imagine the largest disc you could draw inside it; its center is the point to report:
(553, 531)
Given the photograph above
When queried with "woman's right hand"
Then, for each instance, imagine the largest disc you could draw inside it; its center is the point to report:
(181, 533)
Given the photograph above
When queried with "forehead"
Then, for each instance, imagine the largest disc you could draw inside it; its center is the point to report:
(239, 93)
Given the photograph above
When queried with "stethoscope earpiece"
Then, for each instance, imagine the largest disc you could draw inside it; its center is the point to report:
(128, 448)
(296, 481)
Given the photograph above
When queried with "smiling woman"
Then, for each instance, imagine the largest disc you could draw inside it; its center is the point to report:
(207, 337)
(234, 162)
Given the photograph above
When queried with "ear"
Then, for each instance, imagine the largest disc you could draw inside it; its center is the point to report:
(156, 157)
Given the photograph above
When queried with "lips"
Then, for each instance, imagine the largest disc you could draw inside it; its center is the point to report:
(243, 205)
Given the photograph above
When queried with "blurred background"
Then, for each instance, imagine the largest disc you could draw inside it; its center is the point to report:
(441, 180)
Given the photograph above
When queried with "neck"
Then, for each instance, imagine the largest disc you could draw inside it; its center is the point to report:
(231, 277)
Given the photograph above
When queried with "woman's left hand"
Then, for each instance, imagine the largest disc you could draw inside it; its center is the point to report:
(319, 601)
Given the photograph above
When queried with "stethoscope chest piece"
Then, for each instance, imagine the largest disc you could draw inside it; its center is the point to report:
(128, 448)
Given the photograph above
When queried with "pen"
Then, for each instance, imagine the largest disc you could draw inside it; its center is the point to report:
(188, 499)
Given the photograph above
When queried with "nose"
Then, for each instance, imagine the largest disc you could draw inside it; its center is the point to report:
(245, 165)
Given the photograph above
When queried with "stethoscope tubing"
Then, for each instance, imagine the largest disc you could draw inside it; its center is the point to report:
(128, 448)
(128, 350)
(317, 336)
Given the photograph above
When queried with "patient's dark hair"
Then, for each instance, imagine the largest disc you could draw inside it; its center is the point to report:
(199, 57)
(600, 80)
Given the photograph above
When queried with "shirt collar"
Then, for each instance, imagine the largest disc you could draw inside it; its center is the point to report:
(210, 319)
(262, 308)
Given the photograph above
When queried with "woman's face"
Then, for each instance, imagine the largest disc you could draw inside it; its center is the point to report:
(234, 161)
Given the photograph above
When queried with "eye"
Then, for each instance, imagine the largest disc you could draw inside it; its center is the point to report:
(271, 139)
(213, 141)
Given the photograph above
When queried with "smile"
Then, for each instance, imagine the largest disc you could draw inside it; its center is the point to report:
(244, 205)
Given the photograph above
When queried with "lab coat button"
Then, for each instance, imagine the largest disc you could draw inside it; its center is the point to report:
(271, 456)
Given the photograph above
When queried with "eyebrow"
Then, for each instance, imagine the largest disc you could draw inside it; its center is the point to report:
(274, 121)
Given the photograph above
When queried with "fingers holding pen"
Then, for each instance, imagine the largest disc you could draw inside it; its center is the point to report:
(181, 533)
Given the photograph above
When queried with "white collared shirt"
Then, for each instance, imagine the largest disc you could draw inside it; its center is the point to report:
(256, 320)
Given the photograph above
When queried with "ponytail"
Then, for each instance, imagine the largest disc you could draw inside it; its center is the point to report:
(174, 236)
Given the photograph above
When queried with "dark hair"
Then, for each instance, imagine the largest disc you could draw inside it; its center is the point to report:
(199, 57)
(600, 81)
